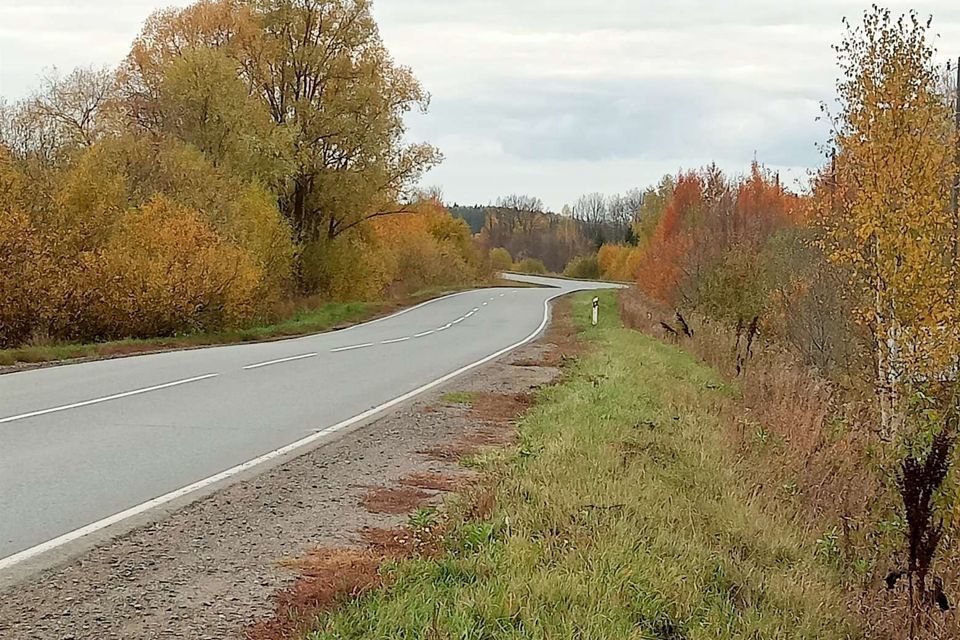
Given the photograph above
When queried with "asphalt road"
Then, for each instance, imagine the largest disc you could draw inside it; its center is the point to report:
(87, 445)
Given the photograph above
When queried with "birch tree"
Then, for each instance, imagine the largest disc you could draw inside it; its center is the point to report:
(887, 214)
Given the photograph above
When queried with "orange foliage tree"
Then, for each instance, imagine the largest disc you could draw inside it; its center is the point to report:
(707, 219)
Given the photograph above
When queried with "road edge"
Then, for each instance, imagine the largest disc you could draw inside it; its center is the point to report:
(28, 562)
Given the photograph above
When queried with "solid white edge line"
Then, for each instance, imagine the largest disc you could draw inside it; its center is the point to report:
(395, 341)
(352, 347)
(67, 538)
(280, 361)
(118, 396)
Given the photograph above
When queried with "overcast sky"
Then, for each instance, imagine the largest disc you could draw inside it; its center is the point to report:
(556, 97)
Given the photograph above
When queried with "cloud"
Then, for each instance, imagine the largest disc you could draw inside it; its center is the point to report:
(556, 97)
(561, 97)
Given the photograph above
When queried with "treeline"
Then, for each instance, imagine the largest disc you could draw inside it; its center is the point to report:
(521, 226)
(838, 311)
(244, 153)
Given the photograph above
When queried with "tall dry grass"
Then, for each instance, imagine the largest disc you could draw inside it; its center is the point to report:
(810, 448)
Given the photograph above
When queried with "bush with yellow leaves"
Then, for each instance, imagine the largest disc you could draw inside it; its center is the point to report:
(166, 271)
(427, 248)
(619, 262)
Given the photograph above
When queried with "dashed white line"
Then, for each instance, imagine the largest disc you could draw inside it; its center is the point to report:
(352, 347)
(27, 554)
(424, 334)
(395, 341)
(485, 303)
(280, 361)
(87, 403)
(502, 294)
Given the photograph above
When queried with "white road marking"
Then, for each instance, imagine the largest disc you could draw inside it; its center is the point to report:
(476, 309)
(502, 294)
(395, 341)
(424, 334)
(352, 347)
(469, 315)
(280, 361)
(126, 394)
(485, 303)
(67, 538)
(397, 314)
(459, 320)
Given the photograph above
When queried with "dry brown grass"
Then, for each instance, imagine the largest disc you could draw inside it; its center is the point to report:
(395, 500)
(390, 543)
(437, 481)
(328, 577)
(809, 449)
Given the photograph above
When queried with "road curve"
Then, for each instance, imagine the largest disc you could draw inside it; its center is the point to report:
(85, 446)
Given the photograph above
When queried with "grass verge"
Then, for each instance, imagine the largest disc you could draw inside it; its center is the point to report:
(299, 322)
(619, 514)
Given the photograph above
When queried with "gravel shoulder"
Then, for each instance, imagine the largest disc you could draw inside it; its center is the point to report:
(210, 569)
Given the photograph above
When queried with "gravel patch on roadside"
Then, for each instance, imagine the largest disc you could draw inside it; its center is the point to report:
(210, 569)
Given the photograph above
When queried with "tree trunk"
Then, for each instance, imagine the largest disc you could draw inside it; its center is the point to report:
(889, 383)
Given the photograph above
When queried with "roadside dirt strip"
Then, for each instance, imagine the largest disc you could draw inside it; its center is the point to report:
(211, 569)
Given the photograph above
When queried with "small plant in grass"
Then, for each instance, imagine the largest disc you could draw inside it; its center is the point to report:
(427, 531)
(761, 435)
(828, 545)
(476, 536)
(424, 518)
(792, 489)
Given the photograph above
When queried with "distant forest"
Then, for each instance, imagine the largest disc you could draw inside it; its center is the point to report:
(522, 226)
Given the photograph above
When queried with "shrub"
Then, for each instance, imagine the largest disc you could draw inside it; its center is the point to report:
(500, 259)
(583, 267)
(20, 281)
(619, 262)
(531, 266)
(350, 267)
(166, 271)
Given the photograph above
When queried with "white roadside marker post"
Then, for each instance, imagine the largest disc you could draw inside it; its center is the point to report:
(596, 311)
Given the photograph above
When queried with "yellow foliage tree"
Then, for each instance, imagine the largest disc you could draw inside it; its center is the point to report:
(885, 206)
(619, 262)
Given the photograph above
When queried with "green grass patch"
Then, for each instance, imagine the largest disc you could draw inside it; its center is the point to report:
(619, 515)
(459, 397)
